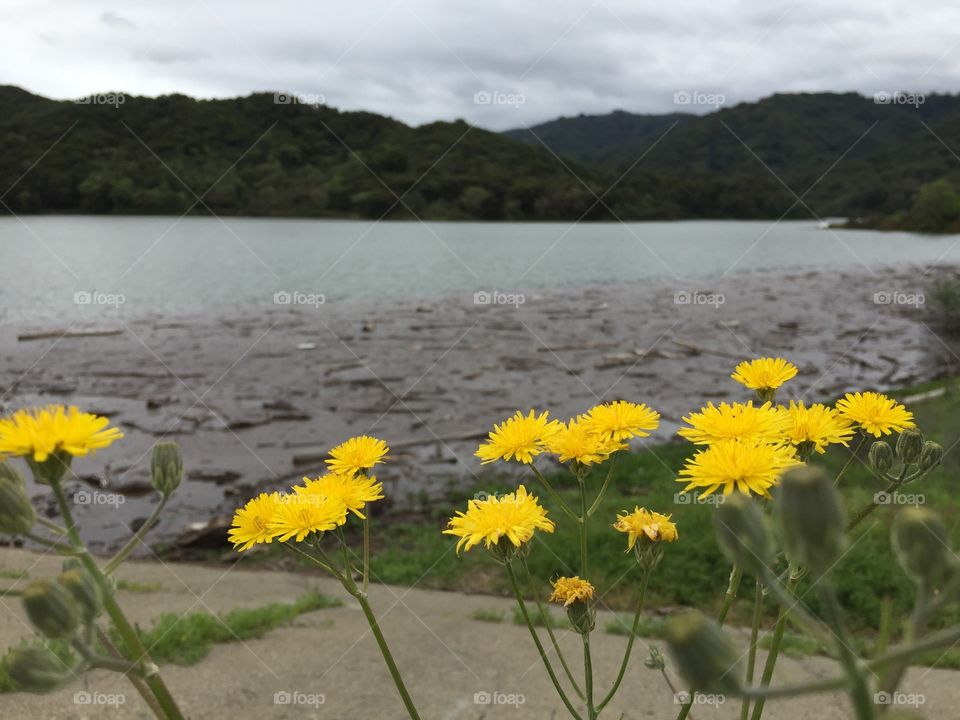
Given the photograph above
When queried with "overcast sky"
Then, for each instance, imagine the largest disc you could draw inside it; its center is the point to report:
(496, 63)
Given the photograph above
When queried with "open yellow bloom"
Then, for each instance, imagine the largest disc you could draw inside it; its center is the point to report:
(251, 523)
(41, 432)
(875, 413)
(817, 425)
(514, 516)
(296, 516)
(356, 454)
(621, 420)
(574, 441)
(764, 373)
(737, 421)
(568, 590)
(353, 492)
(747, 466)
(521, 437)
(644, 523)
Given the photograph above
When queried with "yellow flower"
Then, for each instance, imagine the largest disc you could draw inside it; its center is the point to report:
(356, 454)
(644, 523)
(816, 426)
(575, 441)
(621, 420)
(568, 590)
(351, 492)
(296, 516)
(764, 374)
(251, 523)
(740, 421)
(875, 413)
(748, 466)
(41, 432)
(513, 516)
(520, 437)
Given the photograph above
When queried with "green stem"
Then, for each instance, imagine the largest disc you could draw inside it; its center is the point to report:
(366, 552)
(583, 528)
(860, 690)
(387, 656)
(135, 680)
(865, 511)
(603, 488)
(536, 641)
(528, 576)
(775, 644)
(633, 636)
(785, 596)
(752, 656)
(136, 652)
(915, 629)
(853, 455)
(553, 494)
(588, 675)
(137, 538)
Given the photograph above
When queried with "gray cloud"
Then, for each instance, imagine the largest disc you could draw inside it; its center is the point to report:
(421, 60)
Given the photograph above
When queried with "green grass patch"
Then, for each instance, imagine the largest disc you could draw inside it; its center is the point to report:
(540, 619)
(138, 587)
(186, 639)
(488, 615)
(13, 574)
(650, 627)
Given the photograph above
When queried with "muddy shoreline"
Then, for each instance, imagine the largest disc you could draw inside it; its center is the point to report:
(256, 395)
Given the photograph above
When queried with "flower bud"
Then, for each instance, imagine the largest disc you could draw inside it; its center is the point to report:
(881, 456)
(85, 592)
(742, 534)
(811, 518)
(36, 669)
(655, 660)
(51, 608)
(17, 515)
(166, 467)
(52, 469)
(582, 616)
(930, 456)
(909, 446)
(919, 541)
(704, 656)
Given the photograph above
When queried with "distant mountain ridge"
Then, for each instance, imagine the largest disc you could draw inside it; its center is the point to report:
(257, 156)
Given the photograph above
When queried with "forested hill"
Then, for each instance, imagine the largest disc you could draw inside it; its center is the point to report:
(256, 156)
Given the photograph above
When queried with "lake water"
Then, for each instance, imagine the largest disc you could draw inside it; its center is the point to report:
(56, 266)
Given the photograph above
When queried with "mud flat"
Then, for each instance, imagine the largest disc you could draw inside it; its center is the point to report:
(256, 395)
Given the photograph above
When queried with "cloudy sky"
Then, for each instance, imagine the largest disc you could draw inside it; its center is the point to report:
(496, 63)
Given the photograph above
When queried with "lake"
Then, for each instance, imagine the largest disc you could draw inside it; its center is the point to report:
(56, 266)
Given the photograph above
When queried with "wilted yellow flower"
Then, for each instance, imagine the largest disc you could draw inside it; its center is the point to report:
(740, 421)
(353, 492)
(41, 432)
(875, 413)
(748, 466)
(251, 523)
(513, 516)
(356, 454)
(644, 523)
(521, 437)
(296, 516)
(764, 374)
(817, 425)
(575, 441)
(568, 590)
(621, 420)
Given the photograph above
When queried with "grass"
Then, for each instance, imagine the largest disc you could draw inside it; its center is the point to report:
(13, 574)
(138, 587)
(540, 619)
(186, 639)
(488, 615)
(649, 627)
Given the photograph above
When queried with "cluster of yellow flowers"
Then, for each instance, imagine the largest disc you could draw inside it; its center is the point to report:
(748, 447)
(317, 506)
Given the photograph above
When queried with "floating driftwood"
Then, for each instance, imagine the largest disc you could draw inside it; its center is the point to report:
(46, 335)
